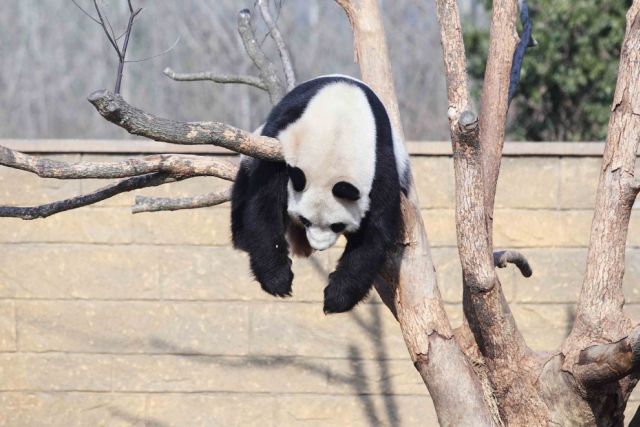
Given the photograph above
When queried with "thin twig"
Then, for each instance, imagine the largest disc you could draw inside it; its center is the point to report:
(266, 69)
(217, 78)
(276, 35)
(153, 204)
(85, 12)
(125, 44)
(106, 30)
(129, 184)
(164, 52)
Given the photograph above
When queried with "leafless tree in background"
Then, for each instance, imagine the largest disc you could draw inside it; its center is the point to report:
(482, 373)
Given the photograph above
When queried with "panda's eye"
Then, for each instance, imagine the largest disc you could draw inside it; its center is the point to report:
(304, 221)
(338, 227)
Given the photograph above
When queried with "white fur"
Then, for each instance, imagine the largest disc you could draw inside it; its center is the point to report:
(334, 140)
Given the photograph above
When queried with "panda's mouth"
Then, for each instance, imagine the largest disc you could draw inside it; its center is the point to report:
(320, 239)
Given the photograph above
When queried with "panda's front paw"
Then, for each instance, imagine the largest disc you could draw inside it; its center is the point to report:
(336, 299)
(278, 281)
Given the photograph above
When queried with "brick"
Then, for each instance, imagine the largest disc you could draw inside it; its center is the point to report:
(441, 227)
(632, 276)
(557, 275)
(374, 377)
(184, 373)
(544, 326)
(355, 411)
(77, 226)
(20, 188)
(528, 182)
(207, 226)
(449, 271)
(579, 181)
(7, 326)
(298, 329)
(187, 410)
(80, 271)
(222, 273)
(55, 372)
(133, 327)
(434, 181)
(72, 409)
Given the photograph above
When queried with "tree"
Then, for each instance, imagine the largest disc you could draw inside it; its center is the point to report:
(482, 373)
(569, 79)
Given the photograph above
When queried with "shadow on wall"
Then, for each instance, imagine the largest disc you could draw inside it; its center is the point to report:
(355, 379)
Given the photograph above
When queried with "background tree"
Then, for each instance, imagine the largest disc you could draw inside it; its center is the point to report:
(567, 81)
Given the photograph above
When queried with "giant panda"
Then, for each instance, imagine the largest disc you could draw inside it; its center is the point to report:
(343, 174)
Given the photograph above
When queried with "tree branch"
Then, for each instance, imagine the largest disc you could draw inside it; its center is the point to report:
(176, 165)
(604, 363)
(217, 78)
(116, 110)
(151, 204)
(502, 258)
(409, 272)
(495, 98)
(266, 69)
(274, 31)
(129, 184)
(599, 311)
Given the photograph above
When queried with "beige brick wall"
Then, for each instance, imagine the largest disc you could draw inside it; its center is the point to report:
(108, 318)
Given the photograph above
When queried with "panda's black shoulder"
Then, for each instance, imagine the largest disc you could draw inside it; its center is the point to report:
(294, 103)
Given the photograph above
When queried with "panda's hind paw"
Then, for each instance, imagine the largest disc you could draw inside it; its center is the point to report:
(278, 283)
(336, 300)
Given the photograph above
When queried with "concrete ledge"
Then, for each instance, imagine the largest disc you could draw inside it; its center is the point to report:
(416, 148)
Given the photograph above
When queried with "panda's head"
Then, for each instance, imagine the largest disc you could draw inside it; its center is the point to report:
(325, 211)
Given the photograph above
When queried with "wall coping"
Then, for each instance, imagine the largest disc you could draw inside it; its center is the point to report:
(415, 148)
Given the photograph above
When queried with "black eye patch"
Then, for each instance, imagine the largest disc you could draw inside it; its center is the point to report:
(304, 221)
(344, 190)
(338, 227)
(298, 180)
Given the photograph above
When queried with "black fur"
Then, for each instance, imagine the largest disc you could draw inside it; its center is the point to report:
(345, 190)
(259, 202)
(297, 177)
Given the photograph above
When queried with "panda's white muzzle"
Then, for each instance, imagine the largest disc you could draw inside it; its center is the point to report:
(320, 239)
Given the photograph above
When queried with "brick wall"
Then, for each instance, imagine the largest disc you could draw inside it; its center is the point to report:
(108, 318)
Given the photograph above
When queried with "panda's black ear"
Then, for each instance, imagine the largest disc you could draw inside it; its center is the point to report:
(345, 190)
(298, 180)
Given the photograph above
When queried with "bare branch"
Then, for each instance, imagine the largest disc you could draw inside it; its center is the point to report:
(125, 44)
(274, 31)
(129, 184)
(164, 52)
(502, 258)
(116, 110)
(266, 69)
(599, 311)
(177, 165)
(603, 363)
(85, 12)
(217, 78)
(495, 94)
(101, 21)
(151, 204)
